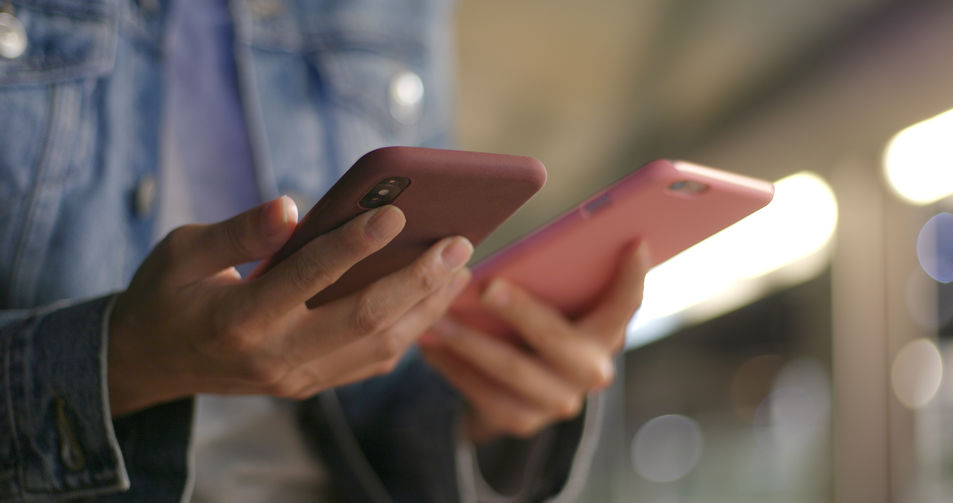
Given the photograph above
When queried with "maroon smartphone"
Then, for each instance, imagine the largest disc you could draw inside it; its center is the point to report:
(441, 192)
(570, 262)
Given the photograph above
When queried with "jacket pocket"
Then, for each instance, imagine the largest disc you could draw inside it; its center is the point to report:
(362, 73)
(46, 89)
(64, 40)
(385, 68)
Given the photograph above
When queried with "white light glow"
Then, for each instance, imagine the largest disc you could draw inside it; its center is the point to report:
(918, 161)
(797, 412)
(783, 243)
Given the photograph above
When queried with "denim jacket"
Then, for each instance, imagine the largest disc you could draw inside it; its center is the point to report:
(79, 118)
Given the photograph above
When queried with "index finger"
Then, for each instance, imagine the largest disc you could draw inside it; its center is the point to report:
(324, 259)
(377, 307)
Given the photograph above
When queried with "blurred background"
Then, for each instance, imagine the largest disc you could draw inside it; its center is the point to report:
(817, 364)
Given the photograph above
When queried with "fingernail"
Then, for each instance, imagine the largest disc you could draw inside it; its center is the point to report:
(288, 213)
(386, 223)
(456, 253)
(497, 294)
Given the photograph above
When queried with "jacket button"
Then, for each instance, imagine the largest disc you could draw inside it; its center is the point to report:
(71, 453)
(13, 39)
(406, 96)
(145, 197)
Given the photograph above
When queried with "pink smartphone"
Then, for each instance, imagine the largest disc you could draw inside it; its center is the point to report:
(441, 192)
(569, 262)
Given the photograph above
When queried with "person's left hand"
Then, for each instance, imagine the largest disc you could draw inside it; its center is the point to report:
(519, 391)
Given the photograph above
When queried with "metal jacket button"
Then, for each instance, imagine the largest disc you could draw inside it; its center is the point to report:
(145, 196)
(13, 39)
(71, 453)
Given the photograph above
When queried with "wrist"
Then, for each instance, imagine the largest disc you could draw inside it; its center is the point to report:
(133, 368)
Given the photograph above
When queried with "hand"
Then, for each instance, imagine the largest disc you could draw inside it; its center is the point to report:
(188, 323)
(520, 391)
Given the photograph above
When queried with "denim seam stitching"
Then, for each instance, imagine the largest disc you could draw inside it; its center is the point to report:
(34, 194)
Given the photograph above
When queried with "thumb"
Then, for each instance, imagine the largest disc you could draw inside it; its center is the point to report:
(248, 236)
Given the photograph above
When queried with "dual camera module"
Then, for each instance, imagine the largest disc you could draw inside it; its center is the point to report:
(688, 187)
(384, 192)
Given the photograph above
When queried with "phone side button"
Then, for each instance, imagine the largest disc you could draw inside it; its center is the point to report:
(596, 204)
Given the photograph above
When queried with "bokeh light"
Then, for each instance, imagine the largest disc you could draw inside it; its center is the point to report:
(916, 373)
(918, 161)
(667, 448)
(935, 247)
(798, 409)
(752, 382)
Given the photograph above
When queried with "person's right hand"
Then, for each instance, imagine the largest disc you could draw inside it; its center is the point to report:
(188, 323)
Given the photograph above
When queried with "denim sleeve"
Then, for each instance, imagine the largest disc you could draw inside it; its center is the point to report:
(57, 439)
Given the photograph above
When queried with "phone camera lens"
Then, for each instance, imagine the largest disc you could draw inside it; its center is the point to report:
(384, 192)
(688, 187)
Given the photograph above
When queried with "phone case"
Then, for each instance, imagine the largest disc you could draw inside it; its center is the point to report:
(449, 192)
(569, 262)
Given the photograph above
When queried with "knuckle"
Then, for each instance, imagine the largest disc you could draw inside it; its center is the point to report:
(604, 382)
(601, 374)
(313, 379)
(368, 316)
(618, 341)
(354, 240)
(267, 375)
(523, 425)
(303, 393)
(595, 380)
(569, 407)
(234, 333)
(175, 244)
(234, 236)
(427, 277)
(312, 269)
(178, 235)
(386, 366)
(283, 388)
